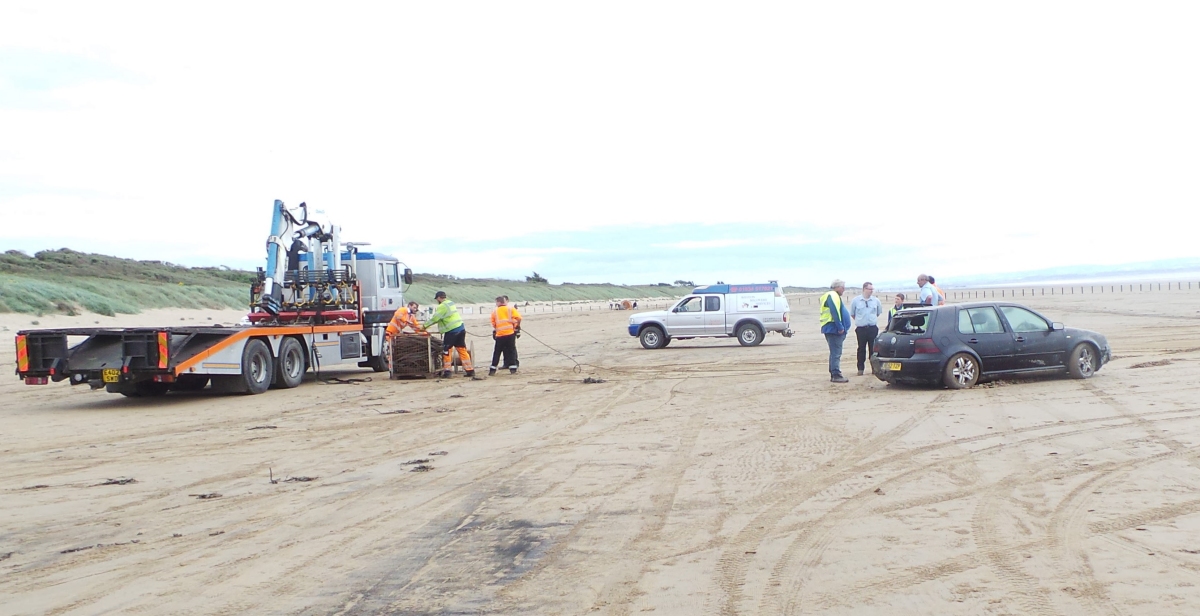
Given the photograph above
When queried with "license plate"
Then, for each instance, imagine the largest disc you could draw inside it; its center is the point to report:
(894, 366)
(110, 375)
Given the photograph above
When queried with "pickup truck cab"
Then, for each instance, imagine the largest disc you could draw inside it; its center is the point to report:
(744, 311)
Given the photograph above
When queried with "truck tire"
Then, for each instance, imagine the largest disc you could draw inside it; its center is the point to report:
(291, 365)
(380, 363)
(749, 334)
(652, 337)
(258, 367)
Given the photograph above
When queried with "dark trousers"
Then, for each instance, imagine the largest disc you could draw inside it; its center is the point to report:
(508, 346)
(866, 336)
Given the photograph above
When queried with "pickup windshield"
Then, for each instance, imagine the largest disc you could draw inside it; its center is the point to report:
(910, 323)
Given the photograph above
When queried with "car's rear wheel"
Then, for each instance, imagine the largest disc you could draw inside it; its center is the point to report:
(962, 372)
(1082, 364)
(652, 338)
(749, 335)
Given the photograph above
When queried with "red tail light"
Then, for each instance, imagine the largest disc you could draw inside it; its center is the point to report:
(875, 348)
(163, 355)
(22, 354)
(926, 345)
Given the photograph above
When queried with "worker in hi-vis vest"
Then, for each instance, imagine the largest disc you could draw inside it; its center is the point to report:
(506, 326)
(835, 320)
(405, 316)
(454, 334)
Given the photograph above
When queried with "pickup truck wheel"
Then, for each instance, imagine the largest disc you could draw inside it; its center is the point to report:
(652, 338)
(962, 372)
(1082, 364)
(749, 335)
(290, 368)
(258, 367)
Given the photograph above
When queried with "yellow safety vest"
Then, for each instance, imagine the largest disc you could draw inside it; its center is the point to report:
(826, 316)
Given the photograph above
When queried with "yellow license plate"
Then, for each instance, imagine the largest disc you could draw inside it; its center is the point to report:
(893, 366)
(110, 375)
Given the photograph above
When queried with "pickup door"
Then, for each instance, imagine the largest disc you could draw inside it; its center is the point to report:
(714, 315)
(687, 318)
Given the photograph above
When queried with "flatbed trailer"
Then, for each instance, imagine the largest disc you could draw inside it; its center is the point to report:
(153, 361)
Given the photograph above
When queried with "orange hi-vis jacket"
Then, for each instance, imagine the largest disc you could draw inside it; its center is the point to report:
(401, 319)
(505, 320)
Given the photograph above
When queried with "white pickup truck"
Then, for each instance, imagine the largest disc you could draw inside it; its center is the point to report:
(744, 311)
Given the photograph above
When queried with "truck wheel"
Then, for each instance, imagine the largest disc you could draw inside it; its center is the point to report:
(289, 369)
(379, 363)
(652, 338)
(749, 334)
(962, 372)
(190, 382)
(258, 367)
(1082, 364)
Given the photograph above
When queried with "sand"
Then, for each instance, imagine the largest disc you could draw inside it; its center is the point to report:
(704, 478)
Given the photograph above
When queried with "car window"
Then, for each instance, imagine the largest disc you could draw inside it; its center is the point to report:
(691, 304)
(914, 323)
(712, 303)
(393, 276)
(1022, 320)
(382, 277)
(984, 320)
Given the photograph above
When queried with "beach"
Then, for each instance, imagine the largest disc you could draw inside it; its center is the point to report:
(703, 478)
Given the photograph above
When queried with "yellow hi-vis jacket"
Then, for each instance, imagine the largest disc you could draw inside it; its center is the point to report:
(831, 323)
(505, 320)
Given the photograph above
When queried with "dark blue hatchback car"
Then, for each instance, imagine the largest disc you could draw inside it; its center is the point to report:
(959, 344)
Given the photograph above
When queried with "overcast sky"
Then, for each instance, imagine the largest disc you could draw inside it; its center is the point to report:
(610, 141)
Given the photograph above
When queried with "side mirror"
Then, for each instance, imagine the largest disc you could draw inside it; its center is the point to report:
(407, 276)
(1056, 326)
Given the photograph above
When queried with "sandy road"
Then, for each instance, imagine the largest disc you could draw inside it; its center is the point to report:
(699, 479)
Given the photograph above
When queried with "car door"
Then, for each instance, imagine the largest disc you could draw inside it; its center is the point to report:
(714, 315)
(1037, 344)
(686, 318)
(982, 330)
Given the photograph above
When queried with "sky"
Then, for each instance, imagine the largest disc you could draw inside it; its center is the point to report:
(624, 142)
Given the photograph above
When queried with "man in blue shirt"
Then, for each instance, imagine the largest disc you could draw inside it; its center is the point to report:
(865, 311)
(927, 296)
(835, 320)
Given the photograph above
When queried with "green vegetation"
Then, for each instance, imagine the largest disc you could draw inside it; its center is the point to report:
(66, 281)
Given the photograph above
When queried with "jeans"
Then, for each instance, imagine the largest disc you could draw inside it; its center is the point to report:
(866, 337)
(835, 352)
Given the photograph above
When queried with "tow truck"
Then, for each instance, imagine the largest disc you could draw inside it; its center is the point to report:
(317, 304)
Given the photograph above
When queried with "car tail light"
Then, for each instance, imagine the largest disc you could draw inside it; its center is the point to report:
(163, 355)
(875, 347)
(22, 354)
(926, 345)
(785, 317)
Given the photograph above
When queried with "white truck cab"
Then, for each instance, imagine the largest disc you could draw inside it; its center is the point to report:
(745, 311)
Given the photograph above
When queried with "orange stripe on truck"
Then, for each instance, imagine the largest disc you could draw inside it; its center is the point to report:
(254, 332)
(22, 354)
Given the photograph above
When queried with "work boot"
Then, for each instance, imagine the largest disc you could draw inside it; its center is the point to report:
(837, 378)
(446, 374)
(512, 370)
(491, 372)
(470, 374)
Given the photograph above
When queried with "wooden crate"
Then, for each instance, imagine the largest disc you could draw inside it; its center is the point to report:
(415, 356)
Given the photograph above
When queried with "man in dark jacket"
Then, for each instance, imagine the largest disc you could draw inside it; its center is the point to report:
(835, 320)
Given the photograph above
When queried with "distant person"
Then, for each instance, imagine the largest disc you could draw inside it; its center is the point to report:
(896, 308)
(454, 335)
(835, 320)
(941, 294)
(506, 327)
(635, 305)
(926, 296)
(865, 310)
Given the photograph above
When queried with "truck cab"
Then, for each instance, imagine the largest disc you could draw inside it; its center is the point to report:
(747, 312)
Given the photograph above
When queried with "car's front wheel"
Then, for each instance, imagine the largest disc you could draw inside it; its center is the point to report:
(1082, 364)
(962, 372)
(652, 338)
